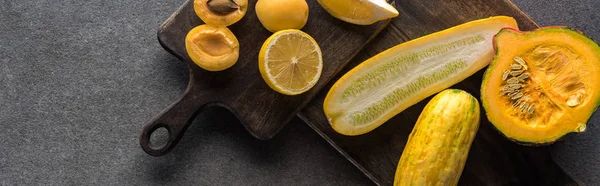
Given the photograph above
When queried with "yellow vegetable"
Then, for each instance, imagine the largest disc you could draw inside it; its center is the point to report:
(439, 143)
(542, 84)
(393, 80)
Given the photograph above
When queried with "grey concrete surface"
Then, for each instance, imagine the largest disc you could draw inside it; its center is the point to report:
(79, 78)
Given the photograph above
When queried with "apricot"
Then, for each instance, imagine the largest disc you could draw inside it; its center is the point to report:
(213, 48)
(276, 15)
(220, 12)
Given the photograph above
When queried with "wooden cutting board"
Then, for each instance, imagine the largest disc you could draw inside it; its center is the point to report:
(493, 160)
(240, 88)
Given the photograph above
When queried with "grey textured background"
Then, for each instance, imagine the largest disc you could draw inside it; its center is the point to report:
(78, 79)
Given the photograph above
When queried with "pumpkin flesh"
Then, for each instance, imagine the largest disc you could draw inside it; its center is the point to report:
(559, 94)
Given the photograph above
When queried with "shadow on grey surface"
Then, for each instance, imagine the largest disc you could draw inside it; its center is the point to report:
(217, 144)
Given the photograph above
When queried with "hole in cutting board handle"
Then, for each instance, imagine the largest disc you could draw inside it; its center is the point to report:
(157, 139)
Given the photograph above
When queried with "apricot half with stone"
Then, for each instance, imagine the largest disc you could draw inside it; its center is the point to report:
(213, 48)
(220, 12)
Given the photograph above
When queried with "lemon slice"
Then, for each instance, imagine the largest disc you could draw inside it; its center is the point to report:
(290, 62)
(360, 12)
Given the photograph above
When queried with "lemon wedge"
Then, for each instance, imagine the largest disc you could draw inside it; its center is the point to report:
(360, 12)
(290, 62)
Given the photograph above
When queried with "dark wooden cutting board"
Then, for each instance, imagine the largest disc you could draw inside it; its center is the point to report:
(493, 160)
(240, 88)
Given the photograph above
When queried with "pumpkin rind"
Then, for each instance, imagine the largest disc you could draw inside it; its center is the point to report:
(564, 71)
(439, 143)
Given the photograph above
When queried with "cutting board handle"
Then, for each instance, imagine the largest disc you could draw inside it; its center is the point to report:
(175, 119)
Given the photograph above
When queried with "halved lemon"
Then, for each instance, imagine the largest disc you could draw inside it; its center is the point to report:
(360, 12)
(290, 62)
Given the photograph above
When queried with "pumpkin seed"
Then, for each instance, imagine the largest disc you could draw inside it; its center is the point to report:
(523, 107)
(516, 67)
(507, 90)
(516, 73)
(530, 110)
(517, 96)
(513, 94)
(512, 80)
(505, 75)
(515, 86)
(523, 76)
(516, 103)
(521, 62)
(574, 100)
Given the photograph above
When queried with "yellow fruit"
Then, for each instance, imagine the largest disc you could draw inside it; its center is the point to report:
(290, 62)
(360, 12)
(220, 12)
(276, 15)
(213, 48)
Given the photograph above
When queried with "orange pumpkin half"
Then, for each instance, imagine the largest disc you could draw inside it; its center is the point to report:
(541, 84)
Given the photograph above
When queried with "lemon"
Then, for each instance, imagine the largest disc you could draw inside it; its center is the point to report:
(360, 12)
(276, 15)
(290, 62)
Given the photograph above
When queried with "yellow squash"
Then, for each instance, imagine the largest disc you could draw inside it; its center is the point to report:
(439, 143)
(393, 80)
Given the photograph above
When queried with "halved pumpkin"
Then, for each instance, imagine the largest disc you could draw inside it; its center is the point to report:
(542, 84)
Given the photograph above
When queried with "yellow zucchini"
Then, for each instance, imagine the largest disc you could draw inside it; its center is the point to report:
(439, 143)
(393, 80)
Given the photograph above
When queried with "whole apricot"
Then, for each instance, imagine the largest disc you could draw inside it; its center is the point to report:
(213, 48)
(277, 15)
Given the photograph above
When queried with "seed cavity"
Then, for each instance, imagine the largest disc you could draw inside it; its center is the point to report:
(222, 7)
(402, 65)
(401, 93)
(513, 86)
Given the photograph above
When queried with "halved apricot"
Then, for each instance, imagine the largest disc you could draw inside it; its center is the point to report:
(213, 48)
(220, 12)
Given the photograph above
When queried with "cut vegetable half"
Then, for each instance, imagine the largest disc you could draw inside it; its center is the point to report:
(551, 86)
(393, 80)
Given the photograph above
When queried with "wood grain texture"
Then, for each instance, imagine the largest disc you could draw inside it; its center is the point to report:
(241, 89)
(493, 160)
